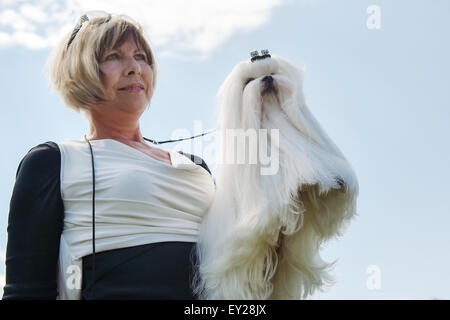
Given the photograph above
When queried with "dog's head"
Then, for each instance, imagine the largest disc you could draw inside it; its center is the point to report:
(262, 78)
(265, 93)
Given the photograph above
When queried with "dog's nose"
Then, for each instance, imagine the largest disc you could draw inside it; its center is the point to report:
(267, 79)
(268, 85)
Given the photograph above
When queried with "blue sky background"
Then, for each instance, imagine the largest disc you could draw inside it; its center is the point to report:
(381, 94)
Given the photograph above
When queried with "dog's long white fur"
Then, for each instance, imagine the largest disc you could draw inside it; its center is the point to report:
(261, 237)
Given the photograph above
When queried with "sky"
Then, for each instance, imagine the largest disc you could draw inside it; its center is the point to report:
(377, 79)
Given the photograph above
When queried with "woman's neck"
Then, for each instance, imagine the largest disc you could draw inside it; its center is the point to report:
(112, 128)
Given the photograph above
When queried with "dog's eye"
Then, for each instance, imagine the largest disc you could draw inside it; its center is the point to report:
(249, 80)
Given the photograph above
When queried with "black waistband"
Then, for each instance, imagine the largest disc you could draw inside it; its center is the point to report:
(162, 270)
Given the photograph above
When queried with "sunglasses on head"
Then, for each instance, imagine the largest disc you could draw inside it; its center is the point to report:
(103, 17)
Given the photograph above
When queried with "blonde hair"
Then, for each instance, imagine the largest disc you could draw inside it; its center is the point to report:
(73, 70)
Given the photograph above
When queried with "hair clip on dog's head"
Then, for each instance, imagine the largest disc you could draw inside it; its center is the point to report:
(255, 55)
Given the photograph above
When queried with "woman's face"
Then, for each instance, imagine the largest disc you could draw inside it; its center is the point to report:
(127, 78)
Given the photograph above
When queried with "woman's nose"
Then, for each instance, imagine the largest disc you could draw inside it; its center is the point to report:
(132, 67)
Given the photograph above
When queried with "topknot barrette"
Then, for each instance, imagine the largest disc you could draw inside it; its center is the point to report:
(255, 55)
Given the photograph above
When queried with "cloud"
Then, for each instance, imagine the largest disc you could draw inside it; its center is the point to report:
(175, 27)
(33, 13)
(15, 21)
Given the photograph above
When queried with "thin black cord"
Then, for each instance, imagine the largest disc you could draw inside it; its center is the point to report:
(93, 217)
(166, 141)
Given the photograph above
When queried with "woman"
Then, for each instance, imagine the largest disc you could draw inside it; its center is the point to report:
(107, 216)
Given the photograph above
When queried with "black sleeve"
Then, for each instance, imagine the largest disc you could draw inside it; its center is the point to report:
(196, 160)
(35, 224)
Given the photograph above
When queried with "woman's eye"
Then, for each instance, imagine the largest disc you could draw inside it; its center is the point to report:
(249, 80)
(111, 56)
(141, 56)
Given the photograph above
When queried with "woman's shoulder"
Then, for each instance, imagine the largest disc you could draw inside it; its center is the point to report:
(41, 158)
(43, 151)
(48, 147)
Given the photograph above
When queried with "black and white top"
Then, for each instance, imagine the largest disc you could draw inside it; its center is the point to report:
(139, 201)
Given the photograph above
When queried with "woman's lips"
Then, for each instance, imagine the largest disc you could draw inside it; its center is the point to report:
(133, 88)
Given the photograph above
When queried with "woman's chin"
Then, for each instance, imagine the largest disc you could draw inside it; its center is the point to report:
(131, 105)
(135, 108)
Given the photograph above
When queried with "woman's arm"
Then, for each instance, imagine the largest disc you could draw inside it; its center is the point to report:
(34, 226)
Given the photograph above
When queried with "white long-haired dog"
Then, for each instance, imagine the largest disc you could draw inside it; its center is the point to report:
(262, 235)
